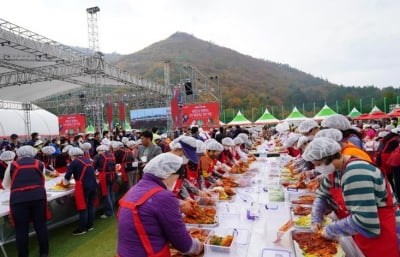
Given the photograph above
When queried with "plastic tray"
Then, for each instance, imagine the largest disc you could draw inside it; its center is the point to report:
(299, 253)
(216, 250)
(271, 252)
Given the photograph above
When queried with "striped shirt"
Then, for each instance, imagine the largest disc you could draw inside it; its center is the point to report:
(364, 190)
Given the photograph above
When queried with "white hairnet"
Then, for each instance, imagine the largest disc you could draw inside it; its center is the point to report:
(200, 146)
(395, 130)
(307, 125)
(163, 165)
(243, 136)
(175, 144)
(282, 127)
(124, 140)
(336, 121)
(227, 141)
(75, 151)
(86, 146)
(375, 126)
(26, 151)
(66, 148)
(105, 142)
(291, 140)
(303, 140)
(115, 144)
(238, 141)
(7, 156)
(38, 142)
(156, 137)
(163, 136)
(332, 133)
(383, 133)
(131, 143)
(48, 150)
(214, 146)
(102, 148)
(320, 148)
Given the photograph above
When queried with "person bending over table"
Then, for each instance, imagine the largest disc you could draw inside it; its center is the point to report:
(361, 197)
(149, 219)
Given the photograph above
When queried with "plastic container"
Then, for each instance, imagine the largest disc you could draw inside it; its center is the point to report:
(207, 200)
(271, 252)
(221, 251)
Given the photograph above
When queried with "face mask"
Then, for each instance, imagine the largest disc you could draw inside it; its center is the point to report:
(325, 169)
(90, 138)
(185, 159)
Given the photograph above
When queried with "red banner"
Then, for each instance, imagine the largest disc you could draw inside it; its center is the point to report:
(205, 115)
(122, 114)
(71, 124)
(175, 111)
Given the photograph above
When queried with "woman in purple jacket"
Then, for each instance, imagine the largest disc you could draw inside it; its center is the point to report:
(149, 218)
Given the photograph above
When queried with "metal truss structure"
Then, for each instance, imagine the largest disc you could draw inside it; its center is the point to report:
(27, 58)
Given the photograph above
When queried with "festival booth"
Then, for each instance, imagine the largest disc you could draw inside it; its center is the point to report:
(354, 113)
(295, 117)
(239, 119)
(266, 118)
(14, 120)
(377, 114)
(394, 113)
(90, 129)
(324, 113)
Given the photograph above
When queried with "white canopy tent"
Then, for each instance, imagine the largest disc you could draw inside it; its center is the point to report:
(13, 120)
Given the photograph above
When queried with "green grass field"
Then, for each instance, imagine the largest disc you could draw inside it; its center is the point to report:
(100, 242)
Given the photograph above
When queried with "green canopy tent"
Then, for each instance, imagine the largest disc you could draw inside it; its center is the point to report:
(325, 112)
(354, 113)
(239, 120)
(127, 127)
(295, 116)
(90, 129)
(266, 118)
(105, 127)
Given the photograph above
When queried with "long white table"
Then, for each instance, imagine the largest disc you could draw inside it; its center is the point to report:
(262, 232)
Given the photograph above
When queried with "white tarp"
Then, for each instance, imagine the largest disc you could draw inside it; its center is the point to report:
(12, 120)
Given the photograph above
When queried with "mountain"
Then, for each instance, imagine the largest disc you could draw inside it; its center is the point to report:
(113, 57)
(246, 82)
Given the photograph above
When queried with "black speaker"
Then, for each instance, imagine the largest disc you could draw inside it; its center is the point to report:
(188, 88)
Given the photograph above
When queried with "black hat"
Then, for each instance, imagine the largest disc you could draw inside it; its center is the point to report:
(394, 118)
(13, 136)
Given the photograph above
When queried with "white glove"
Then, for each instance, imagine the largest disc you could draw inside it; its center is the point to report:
(315, 227)
(135, 164)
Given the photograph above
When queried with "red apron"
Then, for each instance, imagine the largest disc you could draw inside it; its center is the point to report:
(384, 245)
(37, 168)
(103, 175)
(79, 193)
(192, 175)
(177, 187)
(165, 251)
(385, 167)
(123, 163)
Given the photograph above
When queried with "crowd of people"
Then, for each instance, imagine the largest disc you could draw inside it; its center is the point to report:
(96, 161)
(357, 165)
